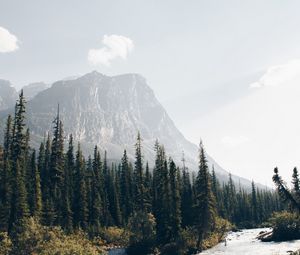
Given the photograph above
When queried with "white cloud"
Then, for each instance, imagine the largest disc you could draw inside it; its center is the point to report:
(115, 46)
(230, 141)
(8, 41)
(279, 75)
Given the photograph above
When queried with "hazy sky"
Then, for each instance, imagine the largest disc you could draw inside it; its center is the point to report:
(226, 71)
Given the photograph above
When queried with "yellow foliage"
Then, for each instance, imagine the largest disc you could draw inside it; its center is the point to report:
(5, 244)
(32, 238)
(115, 235)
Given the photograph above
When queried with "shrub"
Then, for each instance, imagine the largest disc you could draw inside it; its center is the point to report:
(5, 244)
(115, 236)
(30, 237)
(189, 236)
(142, 233)
(286, 226)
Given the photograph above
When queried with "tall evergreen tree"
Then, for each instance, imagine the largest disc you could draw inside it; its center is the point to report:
(107, 217)
(139, 176)
(57, 168)
(19, 132)
(19, 203)
(254, 203)
(6, 177)
(125, 188)
(34, 193)
(175, 215)
(186, 197)
(81, 204)
(296, 183)
(205, 207)
(96, 210)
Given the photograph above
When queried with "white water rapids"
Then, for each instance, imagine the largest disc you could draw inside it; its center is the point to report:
(245, 243)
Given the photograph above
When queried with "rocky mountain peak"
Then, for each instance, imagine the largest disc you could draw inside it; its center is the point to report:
(109, 111)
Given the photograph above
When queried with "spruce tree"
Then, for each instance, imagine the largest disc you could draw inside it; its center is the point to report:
(175, 221)
(186, 197)
(139, 176)
(284, 192)
(19, 133)
(296, 183)
(107, 217)
(254, 203)
(19, 205)
(19, 202)
(114, 198)
(148, 189)
(96, 208)
(57, 168)
(205, 207)
(49, 213)
(162, 199)
(6, 177)
(69, 169)
(125, 189)
(81, 204)
(34, 193)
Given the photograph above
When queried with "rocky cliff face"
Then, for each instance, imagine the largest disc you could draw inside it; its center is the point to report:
(109, 112)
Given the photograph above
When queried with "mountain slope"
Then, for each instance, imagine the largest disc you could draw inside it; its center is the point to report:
(8, 95)
(109, 111)
(32, 89)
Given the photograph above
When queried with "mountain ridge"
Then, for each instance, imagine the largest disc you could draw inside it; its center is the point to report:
(109, 111)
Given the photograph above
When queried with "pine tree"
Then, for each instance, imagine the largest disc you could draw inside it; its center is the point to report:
(69, 170)
(205, 207)
(19, 203)
(34, 193)
(125, 189)
(148, 189)
(254, 203)
(107, 217)
(175, 221)
(19, 132)
(162, 198)
(186, 197)
(81, 204)
(96, 208)
(57, 168)
(49, 213)
(296, 183)
(68, 188)
(139, 176)
(6, 177)
(284, 192)
(114, 198)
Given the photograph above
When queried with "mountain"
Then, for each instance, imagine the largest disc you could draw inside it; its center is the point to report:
(8, 95)
(109, 111)
(32, 89)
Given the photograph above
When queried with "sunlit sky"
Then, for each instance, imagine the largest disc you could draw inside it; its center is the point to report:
(226, 71)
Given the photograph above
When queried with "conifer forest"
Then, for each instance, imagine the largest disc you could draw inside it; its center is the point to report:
(59, 186)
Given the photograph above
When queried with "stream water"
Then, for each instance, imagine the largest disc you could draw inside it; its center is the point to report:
(245, 243)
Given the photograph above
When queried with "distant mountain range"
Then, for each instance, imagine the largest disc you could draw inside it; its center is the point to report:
(107, 111)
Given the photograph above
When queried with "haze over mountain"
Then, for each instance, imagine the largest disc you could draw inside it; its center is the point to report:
(32, 89)
(109, 111)
(8, 95)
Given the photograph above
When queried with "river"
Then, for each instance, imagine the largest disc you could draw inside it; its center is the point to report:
(245, 243)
